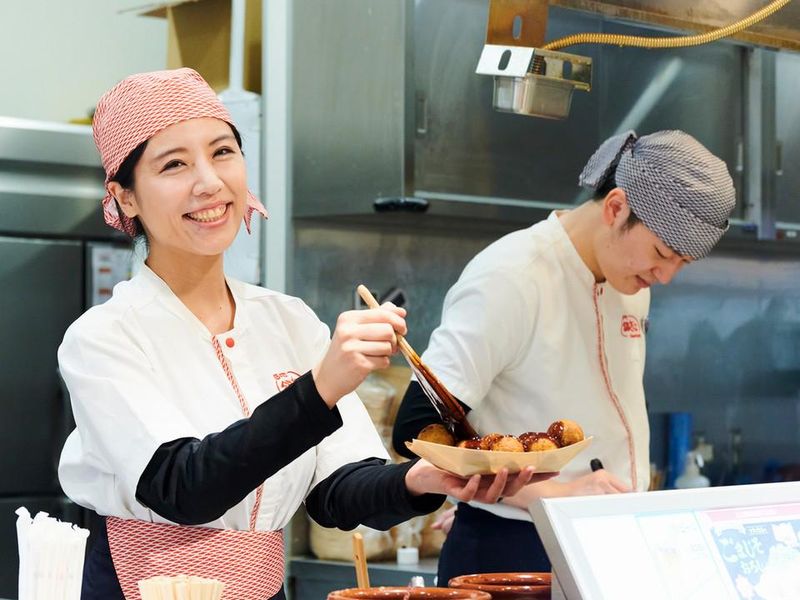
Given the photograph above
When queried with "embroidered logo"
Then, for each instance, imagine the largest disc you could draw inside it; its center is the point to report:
(285, 379)
(630, 327)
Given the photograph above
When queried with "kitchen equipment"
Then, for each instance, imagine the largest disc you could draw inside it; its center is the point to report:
(445, 403)
(360, 560)
(466, 462)
(508, 586)
(52, 243)
(530, 79)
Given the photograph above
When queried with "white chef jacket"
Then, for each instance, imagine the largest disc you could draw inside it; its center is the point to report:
(528, 337)
(141, 371)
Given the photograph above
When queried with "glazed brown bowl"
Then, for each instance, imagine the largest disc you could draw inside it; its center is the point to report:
(408, 593)
(516, 586)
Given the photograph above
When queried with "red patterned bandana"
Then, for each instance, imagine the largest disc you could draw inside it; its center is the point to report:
(139, 107)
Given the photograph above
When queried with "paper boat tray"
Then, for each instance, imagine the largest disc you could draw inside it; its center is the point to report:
(466, 462)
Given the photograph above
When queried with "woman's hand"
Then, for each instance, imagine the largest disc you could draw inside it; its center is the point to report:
(362, 342)
(424, 478)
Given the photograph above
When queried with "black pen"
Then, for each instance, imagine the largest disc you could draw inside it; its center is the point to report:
(595, 464)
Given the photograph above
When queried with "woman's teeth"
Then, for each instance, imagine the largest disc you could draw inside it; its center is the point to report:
(210, 214)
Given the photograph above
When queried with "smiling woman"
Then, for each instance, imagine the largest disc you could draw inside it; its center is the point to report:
(188, 189)
(201, 400)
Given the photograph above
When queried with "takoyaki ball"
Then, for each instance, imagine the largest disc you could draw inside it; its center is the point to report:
(488, 440)
(537, 442)
(565, 432)
(473, 444)
(437, 433)
(507, 443)
(527, 437)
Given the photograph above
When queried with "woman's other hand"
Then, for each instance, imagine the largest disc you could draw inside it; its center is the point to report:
(362, 342)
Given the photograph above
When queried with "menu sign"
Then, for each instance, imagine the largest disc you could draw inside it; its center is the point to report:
(719, 554)
(760, 550)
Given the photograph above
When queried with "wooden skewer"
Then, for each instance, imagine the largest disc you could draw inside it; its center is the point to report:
(360, 560)
(446, 398)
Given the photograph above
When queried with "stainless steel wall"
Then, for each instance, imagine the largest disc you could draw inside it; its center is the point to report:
(787, 121)
(724, 344)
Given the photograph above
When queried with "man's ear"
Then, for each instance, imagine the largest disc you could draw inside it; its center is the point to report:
(615, 207)
(125, 198)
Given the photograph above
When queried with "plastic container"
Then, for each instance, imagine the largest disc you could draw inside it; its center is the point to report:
(692, 478)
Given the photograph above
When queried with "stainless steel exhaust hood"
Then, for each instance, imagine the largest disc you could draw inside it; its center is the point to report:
(530, 79)
(51, 181)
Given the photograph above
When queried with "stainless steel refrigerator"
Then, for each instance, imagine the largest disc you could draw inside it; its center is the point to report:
(51, 238)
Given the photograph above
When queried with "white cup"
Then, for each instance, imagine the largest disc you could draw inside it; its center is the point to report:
(407, 556)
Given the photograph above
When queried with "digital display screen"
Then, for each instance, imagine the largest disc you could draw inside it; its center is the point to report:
(748, 553)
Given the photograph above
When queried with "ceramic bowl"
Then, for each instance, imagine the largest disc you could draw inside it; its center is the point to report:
(408, 593)
(516, 586)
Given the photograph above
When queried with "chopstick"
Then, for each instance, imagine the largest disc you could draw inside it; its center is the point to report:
(360, 560)
(447, 399)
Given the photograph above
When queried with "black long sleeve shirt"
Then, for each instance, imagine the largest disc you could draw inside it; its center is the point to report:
(191, 481)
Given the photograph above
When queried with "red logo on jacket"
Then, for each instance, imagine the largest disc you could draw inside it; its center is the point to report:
(285, 379)
(630, 327)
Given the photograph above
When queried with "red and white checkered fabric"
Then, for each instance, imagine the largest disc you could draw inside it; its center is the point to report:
(249, 563)
(139, 107)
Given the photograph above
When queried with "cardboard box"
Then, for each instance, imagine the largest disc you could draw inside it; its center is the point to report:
(199, 36)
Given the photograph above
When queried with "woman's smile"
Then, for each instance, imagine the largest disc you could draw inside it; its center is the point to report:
(213, 215)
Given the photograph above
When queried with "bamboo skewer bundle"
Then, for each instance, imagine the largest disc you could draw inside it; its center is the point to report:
(180, 587)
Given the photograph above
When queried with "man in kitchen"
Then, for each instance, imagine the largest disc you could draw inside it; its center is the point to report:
(549, 323)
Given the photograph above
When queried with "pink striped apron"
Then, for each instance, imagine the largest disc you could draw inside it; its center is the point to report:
(249, 563)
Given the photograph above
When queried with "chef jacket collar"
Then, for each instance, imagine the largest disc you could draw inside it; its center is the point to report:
(570, 253)
(160, 288)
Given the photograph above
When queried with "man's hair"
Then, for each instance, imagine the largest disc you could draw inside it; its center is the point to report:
(609, 184)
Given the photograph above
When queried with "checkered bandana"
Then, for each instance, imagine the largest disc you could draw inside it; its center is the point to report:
(676, 187)
(139, 107)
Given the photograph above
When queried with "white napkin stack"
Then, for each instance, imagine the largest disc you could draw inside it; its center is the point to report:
(50, 557)
(180, 587)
